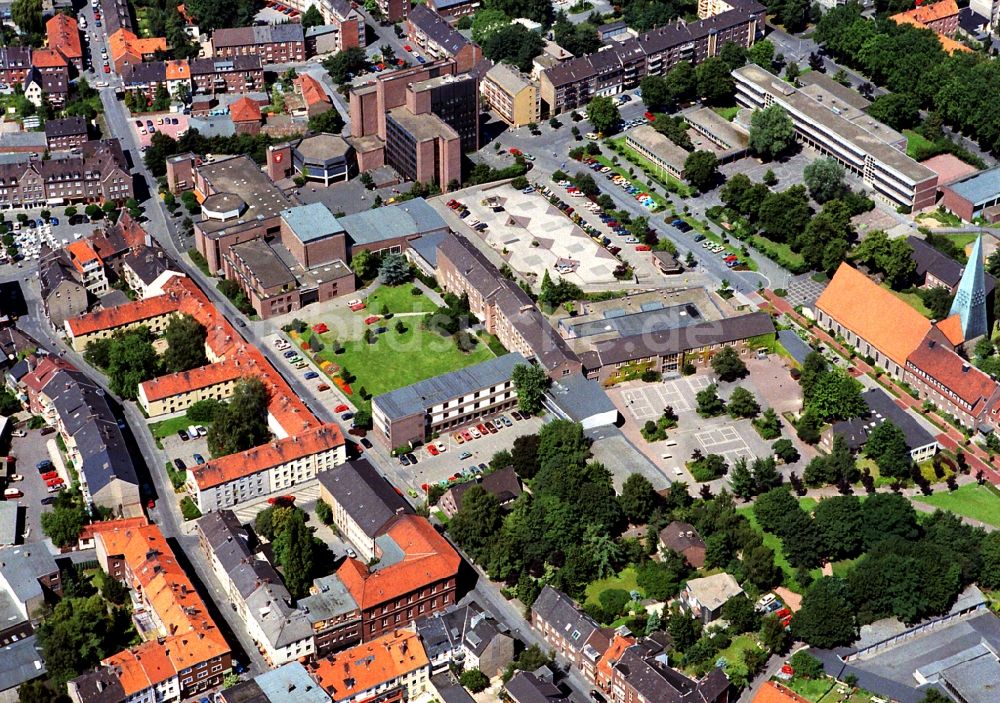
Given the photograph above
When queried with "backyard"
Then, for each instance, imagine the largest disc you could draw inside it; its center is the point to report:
(399, 299)
(773, 542)
(166, 428)
(826, 690)
(971, 500)
(625, 580)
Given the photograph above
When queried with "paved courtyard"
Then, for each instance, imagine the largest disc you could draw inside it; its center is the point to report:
(647, 402)
(533, 235)
(803, 290)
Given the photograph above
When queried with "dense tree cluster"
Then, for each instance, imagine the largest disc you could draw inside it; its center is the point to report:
(210, 14)
(514, 44)
(163, 146)
(301, 555)
(893, 54)
(604, 115)
(893, 258)
(128, 358)
(185, 339)
(828, 393)
(242, 422)
(578, 39)
(530, 381)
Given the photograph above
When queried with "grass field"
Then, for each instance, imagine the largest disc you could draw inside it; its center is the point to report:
(398, 299)
(971, 500)
(623, 172)
(781, 250)
(728, 113)
(911, 299)
(396, 360)
(169, 427)
(915, 142)
(683, 189)
(774, 542)
(733, 654)
(624, 580)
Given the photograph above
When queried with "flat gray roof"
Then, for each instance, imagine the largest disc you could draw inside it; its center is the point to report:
(719, 127)
(580, 398)
(278, 685)
(19, 662)
(422, 127)
(417, 398)
(980, 187)
(842, 127)
(8, 523)
(266, 265)
(311, 222)
(659, 145)
(406, 219)
(654, 318)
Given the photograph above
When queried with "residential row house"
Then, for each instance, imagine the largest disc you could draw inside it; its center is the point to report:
(63, 292)
(432, 33)
(238, 74)
(148, 76)
(273, 43)
(66, 133)
(392, 667)
(126, 47)
(47, 79)
(98, 173)
(183, 654)
(62, 33)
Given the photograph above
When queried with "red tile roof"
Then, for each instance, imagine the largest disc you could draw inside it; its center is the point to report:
(772, 692)
(178, 70)
(201, 377)
(428, 558)
(312, 90)
(90, 531)
(42, 374)
(382, 661)
(234, 466)
(81, 253)
(63, 33)
(956, 374)
(47, 58)
(191, 636)
(951, 328)
(244, 110)
(933, 12)
(857, 303)
(128, 314)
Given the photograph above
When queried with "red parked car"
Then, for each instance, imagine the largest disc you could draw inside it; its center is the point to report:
(372, 319)
(650, 116)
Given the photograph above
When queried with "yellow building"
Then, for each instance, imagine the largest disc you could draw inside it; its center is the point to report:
(179, 391)
(511, 95)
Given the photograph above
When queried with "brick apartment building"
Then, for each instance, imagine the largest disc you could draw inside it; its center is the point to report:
(99, 174)
(239, 74)
(62, 33)
(14, 64)
(273, 43)
(430, 31)
(66, 133)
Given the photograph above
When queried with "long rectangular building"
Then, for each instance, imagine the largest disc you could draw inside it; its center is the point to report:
(572, 84)
(412, 414)
(887, 170)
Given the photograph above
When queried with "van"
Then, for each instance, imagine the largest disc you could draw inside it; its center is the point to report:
(192, 431)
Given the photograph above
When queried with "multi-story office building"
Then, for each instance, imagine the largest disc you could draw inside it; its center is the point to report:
(99, 173)
(273, 43)
(430, 31)
(411, 414)
(888, 171)
(513, 96)
(572, 84)
(269, 468)
(239, 74)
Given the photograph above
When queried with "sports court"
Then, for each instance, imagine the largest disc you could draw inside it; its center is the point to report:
(648, 402)
(726, 441)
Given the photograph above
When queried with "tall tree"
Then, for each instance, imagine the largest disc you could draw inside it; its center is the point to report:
(638, 499)
(477, 523)
(27, 15)
(887, 446)
(701, 169)
(603, 114)
(131, 360)
(715, 83)
(530, 382)
(311, 17)
(728, 364)
(242, 423)
(185, 338)
(839, 521)
(514, 44)
(826, 618)
(771, 132)
(825, 179)
(893, 257)
(294, 551)
(394, 269)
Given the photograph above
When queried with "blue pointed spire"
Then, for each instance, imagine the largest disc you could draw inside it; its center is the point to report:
(970, 298)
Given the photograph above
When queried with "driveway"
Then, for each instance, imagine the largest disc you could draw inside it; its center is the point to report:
(29, 451)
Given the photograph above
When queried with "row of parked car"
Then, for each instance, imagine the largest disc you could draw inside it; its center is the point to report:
(484, 428)
(296, 360)
(462, 210)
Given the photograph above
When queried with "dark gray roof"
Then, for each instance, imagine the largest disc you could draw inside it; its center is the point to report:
(244, 692)
(145, 73)
(65, 127)
(450, 690)
(20, 662)
(99, 686)
(561, 613)
(679, 536)
(55, 270)
(645, 667)
(943, 267)
(417, 398)
(12, 57)
(331, 600)
(525, 687)
(148, 263)
(226, 537)
(437, 29)
(794, 345)
(503, 483)
(882, 408)
(676, 341)
(426, 245)
(364, 495)
(549, 348)
(237, 63)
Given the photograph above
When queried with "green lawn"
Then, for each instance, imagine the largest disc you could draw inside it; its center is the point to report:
(911, 299)
(774, 542)
(683, 189)
(808, 504)
(165, 428)
(624, 580)
(398, 299)
(396, 360)
(971, 500)
(962, 240)
(660, 202)
(729, 113)
(915, 143)
(733, 654)
(781, 251)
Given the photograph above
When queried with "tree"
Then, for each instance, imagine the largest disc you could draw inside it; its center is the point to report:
(683, 629)
(242, 424)
(888, 515)
(762, 53)
(742, 404)
(681, 82)
(341, 65)
(768, 424)
(758, 563)
(826, 619)
(312, 17)
(363, 264)
(394, 270)
(476, 525)
(603, 114)
(989, 576)
(701, 169)
(709, 403)
(793, 15)
(887, 446)
(785, 451)
(806, 665)
(324, 512)
(935, 696)
(839, 521)
(98, 353)
(131, 360)
(714, 81)
(733, 55)
(638, 499)
(893, 257)
(898, 110)
(185, 344)
(784, 216)
(728, 364)
(63, 524)
(329, 121)
(656, 93)
(38, 691)
(772, 132)
(474, 680)
(837, 396)
(740, 613)
(530, 382)
(524, 456)
(486, 22)
(514, 44)
(294, 551)
(740, 479)
(773, 634)
(825, 179)
(27, 15)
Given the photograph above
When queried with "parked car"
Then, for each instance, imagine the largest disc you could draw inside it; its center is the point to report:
(404, 460)
(179, 464)
(44, 465)
(49, 475)
(347, 416)
(199, 459)
(183, 435)
(311, 375)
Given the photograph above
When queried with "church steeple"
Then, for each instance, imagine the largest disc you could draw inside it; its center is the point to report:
(970, 298)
